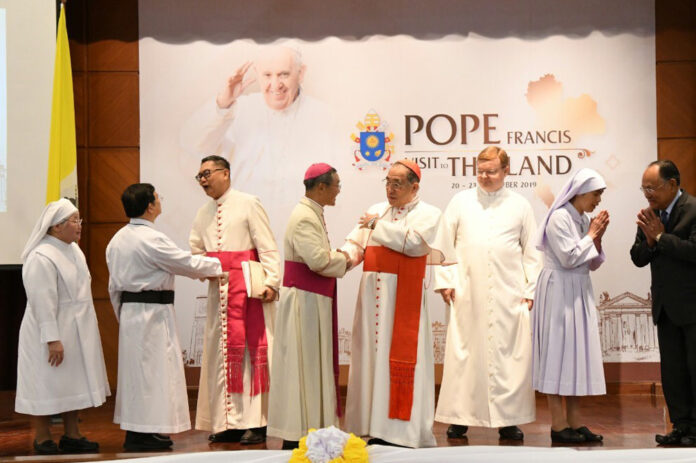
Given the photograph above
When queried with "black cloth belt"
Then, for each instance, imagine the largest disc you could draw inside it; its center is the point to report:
(148, 297)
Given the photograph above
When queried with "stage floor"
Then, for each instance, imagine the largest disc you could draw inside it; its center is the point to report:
(627, 422)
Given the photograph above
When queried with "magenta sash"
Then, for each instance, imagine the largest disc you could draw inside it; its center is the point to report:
(242, 325)
(299, 275)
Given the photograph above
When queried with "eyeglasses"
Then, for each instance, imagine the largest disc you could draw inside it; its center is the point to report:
(206, 173)
(77, 222)
(648, 190)
(489, 173)
(394, 184)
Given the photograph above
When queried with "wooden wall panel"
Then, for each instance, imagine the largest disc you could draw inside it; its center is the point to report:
(80, 98)
(675, 24)
(111, 171)
(100, 235)
(108, 330)
(112, 35)
(114, 109)
(77, 33)
(683, 152)
(83, 196)
(676, 99)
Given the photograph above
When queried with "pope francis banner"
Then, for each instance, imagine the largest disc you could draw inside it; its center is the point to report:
(556, 94)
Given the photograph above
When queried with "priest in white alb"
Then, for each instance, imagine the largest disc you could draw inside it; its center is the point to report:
(304, 380)
(151, 396)
(391, 387)
(237, 344)
(60, 366)
(487, 378)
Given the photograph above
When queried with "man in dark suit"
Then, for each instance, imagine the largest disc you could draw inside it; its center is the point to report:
(666, 239)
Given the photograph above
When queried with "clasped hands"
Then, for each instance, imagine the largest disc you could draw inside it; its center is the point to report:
(651, 225)
(598, 225)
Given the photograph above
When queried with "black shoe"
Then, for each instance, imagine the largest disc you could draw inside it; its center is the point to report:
(47, 447)
(254, 436)
(589, 435)
(228, 435)
(378, 441)
(567, 436)
(142, 442)
(81, 445)
(457, 431)
(290, 444)
(511, 432)
(162, 436)
(673, 438)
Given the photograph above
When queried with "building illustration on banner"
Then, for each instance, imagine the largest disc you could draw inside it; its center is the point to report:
(344, 346)
(439, 338)
(194, 354)
(626, 329)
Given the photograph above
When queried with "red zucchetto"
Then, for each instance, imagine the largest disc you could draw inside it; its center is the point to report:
(315, 170)
(411, 165)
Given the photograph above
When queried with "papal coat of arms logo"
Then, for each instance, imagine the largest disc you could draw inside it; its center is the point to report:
(374, 145)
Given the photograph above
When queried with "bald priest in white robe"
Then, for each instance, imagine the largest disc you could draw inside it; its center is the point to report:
(151, 396)
(487, 378)
(304, 380)
(391, 388)
(60, 368)
(238, 337)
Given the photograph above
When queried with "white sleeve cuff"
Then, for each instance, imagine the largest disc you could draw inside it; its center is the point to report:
(49, 332)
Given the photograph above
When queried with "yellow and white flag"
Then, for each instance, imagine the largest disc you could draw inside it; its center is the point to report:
(62, 151)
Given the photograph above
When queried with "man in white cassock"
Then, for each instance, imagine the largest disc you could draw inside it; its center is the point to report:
(60, 367)
(238, 337)
(304, 380)
(391, 388)
(151, 396)
(264, 135)
(487, 378)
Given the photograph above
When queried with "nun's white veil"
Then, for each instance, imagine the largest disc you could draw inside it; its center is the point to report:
(53, 214)
(584, 181)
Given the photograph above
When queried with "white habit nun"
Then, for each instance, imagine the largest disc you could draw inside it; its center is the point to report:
(567, 354)
(59, 308)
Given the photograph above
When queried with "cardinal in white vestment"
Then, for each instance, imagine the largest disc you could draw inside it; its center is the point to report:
(391, 388)
(237, 345)
(60, 367)
(151, 397)
(487, 377)
(304, 380)
(264, 135)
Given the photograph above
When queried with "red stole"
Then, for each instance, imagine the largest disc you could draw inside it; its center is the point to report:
(403, 351)
(299, 275)
(242, 325)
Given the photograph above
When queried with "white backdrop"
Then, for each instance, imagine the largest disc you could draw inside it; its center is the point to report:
(555, 100)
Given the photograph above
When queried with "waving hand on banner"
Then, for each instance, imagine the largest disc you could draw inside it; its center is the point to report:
(235, 86)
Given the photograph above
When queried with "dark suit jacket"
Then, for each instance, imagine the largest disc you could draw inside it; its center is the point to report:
(672, 264)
